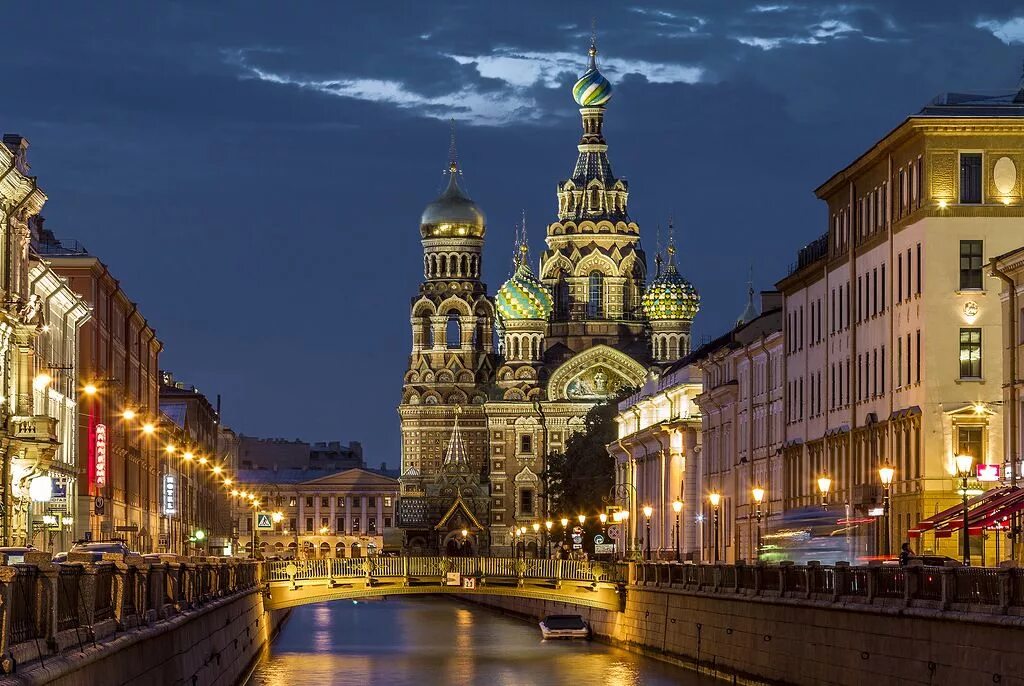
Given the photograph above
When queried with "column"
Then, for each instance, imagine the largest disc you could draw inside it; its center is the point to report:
(334, 520)
(348, 514)
(300, 523)
(380, 515)
(362, 514)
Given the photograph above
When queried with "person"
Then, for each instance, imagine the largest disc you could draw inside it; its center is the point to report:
(905, 554)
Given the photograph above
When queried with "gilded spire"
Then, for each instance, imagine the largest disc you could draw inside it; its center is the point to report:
(453, 152)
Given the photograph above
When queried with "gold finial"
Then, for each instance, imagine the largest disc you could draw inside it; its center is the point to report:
(453, 153)
(593, 43)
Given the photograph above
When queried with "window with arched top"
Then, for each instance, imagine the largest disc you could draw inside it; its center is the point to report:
(595, 300)
(453, 331)
(561, 297)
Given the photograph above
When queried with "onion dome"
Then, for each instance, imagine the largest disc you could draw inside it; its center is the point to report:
(592, 89)
(523, 296)
(453, 214)
(670, 296)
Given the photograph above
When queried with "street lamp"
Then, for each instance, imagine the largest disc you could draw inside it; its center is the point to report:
(715, 499)
(758, 494)
(824, 484)
(677, 507)
(536, 535)
(648, 510)
(564, 521)
(885, 475)
(964, 467)
(547, 537)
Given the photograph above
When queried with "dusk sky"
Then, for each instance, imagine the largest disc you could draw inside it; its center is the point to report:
(254, 173)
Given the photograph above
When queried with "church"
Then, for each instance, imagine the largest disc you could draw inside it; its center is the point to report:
(495, 384)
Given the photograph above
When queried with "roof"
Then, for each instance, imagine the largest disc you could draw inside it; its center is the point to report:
(348, 477)
(976, 104)
(175, 411)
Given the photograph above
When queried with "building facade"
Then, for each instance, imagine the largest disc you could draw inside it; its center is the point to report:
(28, 436)
(893, 332)
(118, 357)
(54, 523)
(575, 333)
(351, 513)
(281, 453)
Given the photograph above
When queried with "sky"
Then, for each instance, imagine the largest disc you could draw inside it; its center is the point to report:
(254, 173)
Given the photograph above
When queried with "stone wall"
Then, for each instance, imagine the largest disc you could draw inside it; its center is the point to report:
(799, 641)
(214, 645)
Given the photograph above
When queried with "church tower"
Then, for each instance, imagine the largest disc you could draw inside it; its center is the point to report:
(594, 265)
(452, 360)
(670, 304)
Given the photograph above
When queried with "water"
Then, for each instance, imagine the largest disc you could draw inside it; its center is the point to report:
(426, 641)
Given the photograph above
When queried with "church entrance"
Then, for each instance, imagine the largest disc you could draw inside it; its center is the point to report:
(457, 545)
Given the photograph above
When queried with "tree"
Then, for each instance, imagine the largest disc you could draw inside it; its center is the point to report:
(579, 479)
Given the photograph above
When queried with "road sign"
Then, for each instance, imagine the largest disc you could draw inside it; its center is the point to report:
(132, 528)
(98, 504)
(164, 540)
(598, 539)
(264, 522)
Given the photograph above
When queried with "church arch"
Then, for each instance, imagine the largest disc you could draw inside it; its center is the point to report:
(624, 370)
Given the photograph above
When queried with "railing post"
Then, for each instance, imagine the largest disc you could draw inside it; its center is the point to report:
(783, 570)
(840, 572)
(758, 577)
(872, 582)
(948, 576)
(558, 573)
(7, 575)
(1005, 591)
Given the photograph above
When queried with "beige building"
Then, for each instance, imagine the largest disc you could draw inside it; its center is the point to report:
(893, 332)
(338, 514)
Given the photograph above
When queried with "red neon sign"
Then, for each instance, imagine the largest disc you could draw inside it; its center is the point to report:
(100, 455)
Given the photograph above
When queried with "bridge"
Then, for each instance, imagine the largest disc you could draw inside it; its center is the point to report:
(583, 583)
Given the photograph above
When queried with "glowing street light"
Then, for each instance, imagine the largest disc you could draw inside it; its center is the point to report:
(715, 498)
(964, 467)
(885, 475)
(677, 507)
(824, 484)
(648, 510)
(41, 381)
(128, 415)
(148, 429)
(758, 494)
(89, 389)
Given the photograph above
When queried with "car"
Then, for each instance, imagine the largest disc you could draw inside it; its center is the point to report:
(933, 561)
(60, 557)
(16, 554)
(564, 626)
(98, 548)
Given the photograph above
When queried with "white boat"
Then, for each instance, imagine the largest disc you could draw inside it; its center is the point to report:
(564, 626)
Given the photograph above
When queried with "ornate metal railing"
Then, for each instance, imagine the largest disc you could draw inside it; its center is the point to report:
(435, 567)
(47, 607)
(981, 589)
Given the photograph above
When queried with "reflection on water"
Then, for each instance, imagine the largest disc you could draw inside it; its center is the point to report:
(439, 641)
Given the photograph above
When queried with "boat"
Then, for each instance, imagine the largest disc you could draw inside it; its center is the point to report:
(564, 626)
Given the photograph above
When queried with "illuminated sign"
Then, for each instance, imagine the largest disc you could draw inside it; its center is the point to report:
(989, 472)
(100, 443)
(876, 512)
(170, 494)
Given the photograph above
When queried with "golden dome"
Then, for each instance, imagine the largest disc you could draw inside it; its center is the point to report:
(453, 214)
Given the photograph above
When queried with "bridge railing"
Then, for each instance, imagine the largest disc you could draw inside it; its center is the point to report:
(47, 608)
(982, 589)
(295, 571)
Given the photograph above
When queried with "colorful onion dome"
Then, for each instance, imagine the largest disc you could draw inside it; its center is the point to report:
(453, 214)
(670, 296)
(523, 296)
(593, 89)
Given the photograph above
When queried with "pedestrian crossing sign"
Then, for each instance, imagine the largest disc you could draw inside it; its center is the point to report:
(264, 521)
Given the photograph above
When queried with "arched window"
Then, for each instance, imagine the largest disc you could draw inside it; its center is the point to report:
(561, 297)
(453, 333)
(595, 301)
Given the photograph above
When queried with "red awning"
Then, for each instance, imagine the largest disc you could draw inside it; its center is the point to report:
(945, 516)
(997, 515)
(989, 510)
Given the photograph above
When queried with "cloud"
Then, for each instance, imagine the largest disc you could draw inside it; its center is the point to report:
(815, 34)
(466, 103)
(1010, 31)
(523, 69)
(769, 9)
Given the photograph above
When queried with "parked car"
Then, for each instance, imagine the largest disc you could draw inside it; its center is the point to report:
(16, 554)
(564, 626)
(98, 548)
(933, 561)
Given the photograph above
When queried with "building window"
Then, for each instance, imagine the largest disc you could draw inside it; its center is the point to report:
(309, 523)
(325, 502)
(355, 524)
(526, 501)
(526, 443)
(293, 525)
(341, 502)
(595, 302)
(969, 442)
(387, 501)
(341, 525)
(309, 502)
(453, 331)
(970, 178)
(323, 523)
(561, 297)
(291, 501)
(970, 265)
(970, 353)
(371, 524)
(387, 522)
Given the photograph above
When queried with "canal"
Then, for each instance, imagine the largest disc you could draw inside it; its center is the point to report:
(427, 640)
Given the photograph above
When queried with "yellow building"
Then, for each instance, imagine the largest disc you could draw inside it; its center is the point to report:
(894, 330)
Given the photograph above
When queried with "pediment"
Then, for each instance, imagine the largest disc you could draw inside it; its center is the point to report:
(596, 374)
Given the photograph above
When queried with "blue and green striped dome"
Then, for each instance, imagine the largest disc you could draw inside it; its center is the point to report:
(592, 89)
(523, 296)
(670, 296)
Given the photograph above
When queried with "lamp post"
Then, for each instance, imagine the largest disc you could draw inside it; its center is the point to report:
(824, 485)
(536, 536)
(564, 521)
(677, 507)
(648, 510)
(885, 475)
(715, 499)
(547, 537)
(758, 494)
(964, 466)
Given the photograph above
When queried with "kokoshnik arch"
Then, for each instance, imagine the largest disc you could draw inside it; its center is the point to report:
(478, 419)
